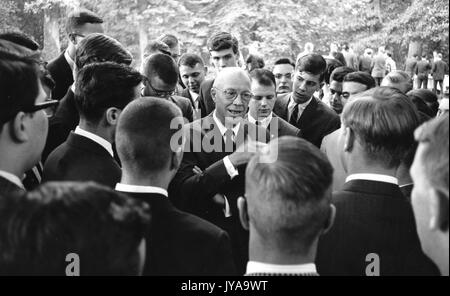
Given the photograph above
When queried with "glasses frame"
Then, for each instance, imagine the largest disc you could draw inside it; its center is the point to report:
(159, 93)
(237, 94)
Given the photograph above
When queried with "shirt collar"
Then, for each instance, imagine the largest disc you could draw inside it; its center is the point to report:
(259, 267)
(12, 178)
(301, 106)
(69, 59)
(222, 128)
(194, 95)
(373, 177)
(264, 122)
(97, 139)
(141, 189)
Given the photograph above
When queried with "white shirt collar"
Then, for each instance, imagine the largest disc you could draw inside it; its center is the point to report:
(141, 189)
(264, 122)
(222, 128)
(69, 59)
(99, 140)
(301, 106)
(373, 177)
(194, 95)
(12, 178)
(259, 267)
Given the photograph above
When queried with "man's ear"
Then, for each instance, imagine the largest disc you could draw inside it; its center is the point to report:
(112, 115)
(439, 210)
(206, 70)
(177, 157)
(18, 128)
(243, 214)
(349, 139)
(213, 94)
(321, 85)
(330, 221)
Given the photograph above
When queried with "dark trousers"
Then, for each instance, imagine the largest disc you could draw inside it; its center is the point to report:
(422, 81)
(441, 86)
(378, 80)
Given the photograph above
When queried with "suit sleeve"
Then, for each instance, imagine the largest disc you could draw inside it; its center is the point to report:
(222, 263)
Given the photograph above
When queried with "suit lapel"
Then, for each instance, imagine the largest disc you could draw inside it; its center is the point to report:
(308, 114)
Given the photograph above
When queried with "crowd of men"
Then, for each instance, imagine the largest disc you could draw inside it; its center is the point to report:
(325, 166)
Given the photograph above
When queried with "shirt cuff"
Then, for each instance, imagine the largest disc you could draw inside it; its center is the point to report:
(231, 170)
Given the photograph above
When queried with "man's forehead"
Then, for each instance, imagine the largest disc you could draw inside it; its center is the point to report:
(283, 68)
(222, 52)
(90, 28)
(309, 76)
(185, 69)
(351, 86)
(259, 88)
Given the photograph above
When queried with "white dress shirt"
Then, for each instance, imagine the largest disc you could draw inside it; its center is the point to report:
(141, 189)
(194, 97)
(373, 177)
(99, 140)
(264, 122)
(266, 268)
(301, 107)
(12, 178)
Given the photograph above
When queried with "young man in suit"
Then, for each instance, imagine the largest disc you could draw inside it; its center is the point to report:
(80, 23)
(374, 231)
(192, 72)
(93, 48)
(283, 70)
(287, 207)
(102, 91)
(261, 105)
(224, 50)
(336, 81)
(161, 74)
(438, 70)
(351, 84)
(430, 194)
(211, 176)
(102, 230)
(180, 244)
(301, 109)
(23, 121)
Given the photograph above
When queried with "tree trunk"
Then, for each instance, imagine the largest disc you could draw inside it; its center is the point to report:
(415, 47)
(52, 44)
(143, 39)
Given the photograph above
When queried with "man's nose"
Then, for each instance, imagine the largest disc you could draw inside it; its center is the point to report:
(264, 102)
(283, 79)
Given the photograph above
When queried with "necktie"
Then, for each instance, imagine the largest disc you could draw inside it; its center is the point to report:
(229, 141)
(294, 116)
(258, 123)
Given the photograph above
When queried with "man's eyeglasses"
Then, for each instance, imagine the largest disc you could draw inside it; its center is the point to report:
(287, 75)
(159, 93)
(47, 106)
(231, 94)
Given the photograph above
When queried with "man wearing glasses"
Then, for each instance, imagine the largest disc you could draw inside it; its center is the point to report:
(161, 80)
(211, 176)
(283, 71)
(80, 23)
(336, 80)
(23, 122)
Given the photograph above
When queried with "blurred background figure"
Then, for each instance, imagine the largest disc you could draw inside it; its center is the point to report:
(422, 71)
(379, 65)
(350, 57)
(438, 70)
(283, 70)
(254, 62)
(365, 61)
(399, 80)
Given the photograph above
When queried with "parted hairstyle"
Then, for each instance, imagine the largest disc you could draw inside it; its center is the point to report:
(190, 60)
(80, 17)
(428, 97)
(291, 201)
(38, 229)
(401, 80)
(100, 86)
(362, 78)
(284, 61)
(144, 134)
(162, 66)
(96, 48)
(263, 77)
(156, 46)
(221, 41)
(339, 73)
(383, 121)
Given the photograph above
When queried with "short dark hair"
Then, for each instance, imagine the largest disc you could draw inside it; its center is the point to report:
(21, 39)
(263, 77)
(190, 60)
(257, 62)
(169, 39)
(221, 41)
(100, 86)
(339, 73)
(19, 84)
(284, 61)
(426, 96)
(400, 78)
(383, 120)
(40, 228)
(424, 55)
(361, 77)
(435, 157)
(156, 46)
(162, 66)
(80, 17)
(292, 201)
(144, 134)
(331, 64)
(98, 47)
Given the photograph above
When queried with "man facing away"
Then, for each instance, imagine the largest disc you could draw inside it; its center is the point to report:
(151, 153)
(287, 207)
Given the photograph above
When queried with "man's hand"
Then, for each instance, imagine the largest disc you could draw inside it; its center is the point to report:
(245, 152)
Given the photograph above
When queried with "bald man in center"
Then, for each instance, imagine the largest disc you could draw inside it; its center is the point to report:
(217, 150)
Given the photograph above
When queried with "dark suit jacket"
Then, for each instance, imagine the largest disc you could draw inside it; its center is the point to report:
(185, 105)
(81, 159)
(8, 187)
(316, 121)
(206, 102)
(66, 118)
(181, 244)
(372, 217)
(284, 128)
(423, 68)
(62, 75)
(439, 69)
(194, 192)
